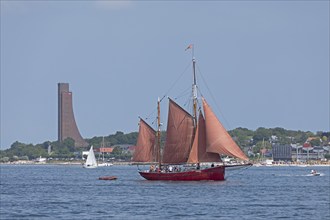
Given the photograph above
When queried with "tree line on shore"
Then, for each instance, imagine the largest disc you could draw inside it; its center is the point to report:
(245, 138)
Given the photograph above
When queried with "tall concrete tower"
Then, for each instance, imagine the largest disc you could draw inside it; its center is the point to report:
(67, 127)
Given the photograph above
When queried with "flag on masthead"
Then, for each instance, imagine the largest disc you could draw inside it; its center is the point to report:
(189, 47)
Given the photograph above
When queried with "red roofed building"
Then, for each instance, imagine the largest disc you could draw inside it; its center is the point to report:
(307, 145)
(104, 149)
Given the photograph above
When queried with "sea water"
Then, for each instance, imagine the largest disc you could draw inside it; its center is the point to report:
(72, 192)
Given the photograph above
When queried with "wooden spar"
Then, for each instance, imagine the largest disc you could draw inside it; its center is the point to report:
(194, 95)
(158, 134)
(194, 88)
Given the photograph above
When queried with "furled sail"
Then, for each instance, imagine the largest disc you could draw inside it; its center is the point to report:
(198, 152)
(217, 138)
(145, 146)
(179, 134)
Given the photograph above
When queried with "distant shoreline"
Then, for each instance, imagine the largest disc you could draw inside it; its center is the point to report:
(76, 163)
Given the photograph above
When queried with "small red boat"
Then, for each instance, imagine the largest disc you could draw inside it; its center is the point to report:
(107, 178)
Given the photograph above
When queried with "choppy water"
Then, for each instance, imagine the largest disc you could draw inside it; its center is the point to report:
(71, 192)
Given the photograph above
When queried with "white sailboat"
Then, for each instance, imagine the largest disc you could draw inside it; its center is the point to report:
(91, 160)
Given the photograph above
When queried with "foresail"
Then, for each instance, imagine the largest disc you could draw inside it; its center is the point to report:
(145, 146)
(217, 138)
(198, 152)
(179, 134)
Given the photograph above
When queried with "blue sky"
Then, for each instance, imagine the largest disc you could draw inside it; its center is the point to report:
(266, 63)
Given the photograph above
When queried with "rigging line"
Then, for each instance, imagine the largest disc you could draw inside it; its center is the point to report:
(177, 80)
(199, 104)
(216, 104)
(165, 95)
(239, 171)
(184, 93)
(148, 117)
(154, 121)
(188, 104)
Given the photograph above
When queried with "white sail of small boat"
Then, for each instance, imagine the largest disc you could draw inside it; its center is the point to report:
(91, 160)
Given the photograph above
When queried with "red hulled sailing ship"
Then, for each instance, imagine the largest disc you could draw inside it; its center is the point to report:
(191, 140)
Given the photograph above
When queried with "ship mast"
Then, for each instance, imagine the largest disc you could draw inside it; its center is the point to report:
(194, 86)
(158, 134)
(194, 92)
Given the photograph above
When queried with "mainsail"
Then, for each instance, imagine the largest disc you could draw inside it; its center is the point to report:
(179, 134)
(145, 146)
(217, 138)
(198, 151)
(210, 139)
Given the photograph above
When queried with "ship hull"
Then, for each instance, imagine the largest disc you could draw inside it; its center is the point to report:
(214, 173)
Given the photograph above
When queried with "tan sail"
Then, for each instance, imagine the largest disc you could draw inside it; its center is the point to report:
(179, 134)
(145, 146)
(217, 138)
(198, 152)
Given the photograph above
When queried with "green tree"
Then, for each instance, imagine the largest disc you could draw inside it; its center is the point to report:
(117, 151)
(260, 145)
(279, 132)
(242, 136)
(23, 158)
(4, 159)
(95, 141)
(69, 144)
(325, 140)
(261, 134)
(315, 142)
